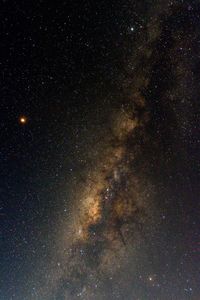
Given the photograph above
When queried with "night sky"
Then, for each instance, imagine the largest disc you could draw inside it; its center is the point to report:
(100, 150)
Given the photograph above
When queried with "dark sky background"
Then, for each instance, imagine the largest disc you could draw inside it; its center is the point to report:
(75, 70)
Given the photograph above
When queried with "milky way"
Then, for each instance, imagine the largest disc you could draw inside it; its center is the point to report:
(109, 238)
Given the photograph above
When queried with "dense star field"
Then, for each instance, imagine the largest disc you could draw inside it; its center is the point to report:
(100, 150)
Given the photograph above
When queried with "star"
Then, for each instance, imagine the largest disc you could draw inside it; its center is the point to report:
(23, 120)
(150, 278)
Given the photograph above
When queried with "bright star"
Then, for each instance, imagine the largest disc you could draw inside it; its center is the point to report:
(150, 278)
(23, 120)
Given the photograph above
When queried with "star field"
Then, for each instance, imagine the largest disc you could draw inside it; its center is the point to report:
(100, 144)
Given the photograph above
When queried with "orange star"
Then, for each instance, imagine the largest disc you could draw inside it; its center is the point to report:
(23, 120)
